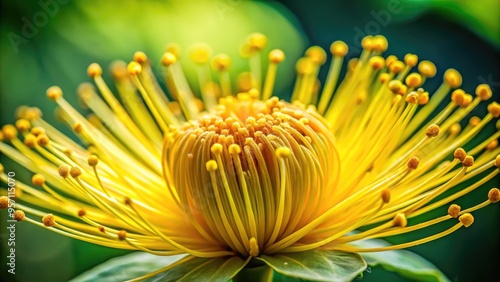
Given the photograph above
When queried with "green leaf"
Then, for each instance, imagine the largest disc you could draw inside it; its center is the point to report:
(405, 263)
(127, 267)
(202, 269)
(190, 269)
(317, 265)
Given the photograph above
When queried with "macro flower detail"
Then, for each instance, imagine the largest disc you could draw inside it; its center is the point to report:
(234, 177)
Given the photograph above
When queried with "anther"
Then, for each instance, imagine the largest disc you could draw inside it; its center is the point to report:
(466, 219)
(257, 41)
(234, 149)
(458, 97)
(216, 149)
(283, 152)
(49, 220)
(37, 130)
(9, 132)
(42, 140)
(101, 229)
(396, 67)
(412, 98)
(127, 201)
(454, 210)
(75, 172)
(54, 92)
(483, 91)
(63, 171)
(494, 109)
(468, 161)
(276, 56)
(460, 154)
(82, 212)
(494, 195)
(316, 54)
(18, 215)
(200, 53)
(413, 163)
(30, 141)
(394, 86)
(221, 62)
(453, 78)
(386, 196)
(94, 70)
(140, 57)
(400, 220)
(92, 160)
(339, 49)
(427, 68)
(122, 235)
(211, 165)
(432, 130)
(134, 68)
(4, 202)
(492, 145)
(38, 179)
(380, 43)
(77, 128)
(168, 59)
(497, 161)
(413, 80)
(23, 125)
(423, 98)
(376, 62)
(411, 60)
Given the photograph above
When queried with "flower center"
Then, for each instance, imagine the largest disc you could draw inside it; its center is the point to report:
(260, 167)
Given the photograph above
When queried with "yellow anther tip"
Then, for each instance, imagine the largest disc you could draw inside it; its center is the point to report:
(18, 215)
(200, 53)
(221, 62)
(380, 43)
(9, 132)
(413, 163)
(63, 171)
(411, 60)
(453, 78)
(257, 41)
(168, 59)
(427, 68)
(38, 179)
(316, 54)
(54, 92)
(49, 220)
(483, 91)
(396, 67)
(412, 98)
(42, 140)
(211, 165)
(400, 220)
(283, 152)
(339, 49)
(23, 125)
(377, 62)
(75, 172)
(216, 148)
(468, 161)
(413, 80)
(127, 201)
(134, 68)
(4, 202)
(460, 154)
(122, 235)
(367, 42)
(432, 131)
(94, 70)
(93, 160)
(497, 161)
(140, 57)
(466, 219)
(454, 210)
(494, 195)
(386, 195)
(276, 56)
(234, 149)
(494, 109)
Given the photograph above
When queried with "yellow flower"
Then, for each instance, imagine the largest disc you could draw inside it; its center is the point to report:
(235, 173)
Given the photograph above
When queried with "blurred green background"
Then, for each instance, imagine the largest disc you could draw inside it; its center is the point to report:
(57, 49)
